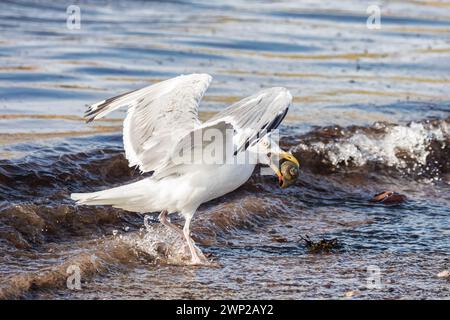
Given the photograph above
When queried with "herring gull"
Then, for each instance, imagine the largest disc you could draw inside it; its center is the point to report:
(162, 134)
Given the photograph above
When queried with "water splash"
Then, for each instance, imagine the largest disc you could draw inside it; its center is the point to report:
(417, 147)
(162, 244)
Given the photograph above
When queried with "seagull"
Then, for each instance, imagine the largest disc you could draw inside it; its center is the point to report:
(161, 134)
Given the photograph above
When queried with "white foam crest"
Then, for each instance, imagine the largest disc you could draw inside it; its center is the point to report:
(395, 146)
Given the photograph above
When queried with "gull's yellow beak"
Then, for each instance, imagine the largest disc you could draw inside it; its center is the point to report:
(283, 156)
(288, 156)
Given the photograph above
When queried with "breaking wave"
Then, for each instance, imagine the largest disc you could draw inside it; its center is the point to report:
(418, 149)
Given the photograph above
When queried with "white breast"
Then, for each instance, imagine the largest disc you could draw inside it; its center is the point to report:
(199, 185)
(227, 178)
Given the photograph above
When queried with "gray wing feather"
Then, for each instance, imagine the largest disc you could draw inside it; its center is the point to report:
(249, 120)
(158, 116)
(255, 116)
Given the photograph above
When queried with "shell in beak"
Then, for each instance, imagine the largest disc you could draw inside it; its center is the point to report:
(289, 173)
(286, 168)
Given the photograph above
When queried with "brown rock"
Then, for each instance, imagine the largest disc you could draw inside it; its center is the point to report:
(389, 197)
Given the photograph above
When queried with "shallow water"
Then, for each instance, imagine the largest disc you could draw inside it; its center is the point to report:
(371, 113)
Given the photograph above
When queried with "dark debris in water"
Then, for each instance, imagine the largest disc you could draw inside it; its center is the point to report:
(321, 246)
(389, 197)
(279, 239)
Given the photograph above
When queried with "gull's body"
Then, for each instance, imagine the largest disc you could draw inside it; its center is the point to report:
(162, 120)
(182, 194)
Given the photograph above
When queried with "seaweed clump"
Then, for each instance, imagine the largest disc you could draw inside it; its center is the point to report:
(321, 246)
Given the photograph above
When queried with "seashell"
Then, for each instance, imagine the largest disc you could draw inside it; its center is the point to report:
(289, 172)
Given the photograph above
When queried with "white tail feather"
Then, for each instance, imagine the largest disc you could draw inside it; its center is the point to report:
(132, 197)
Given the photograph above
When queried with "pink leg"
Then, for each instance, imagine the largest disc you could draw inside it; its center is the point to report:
(195, 257)
(163, 219)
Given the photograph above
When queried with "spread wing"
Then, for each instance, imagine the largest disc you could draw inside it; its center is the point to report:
(248, 120)
(254, 117)
(158, 117)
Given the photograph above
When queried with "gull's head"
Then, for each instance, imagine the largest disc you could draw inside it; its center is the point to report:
(272, 155)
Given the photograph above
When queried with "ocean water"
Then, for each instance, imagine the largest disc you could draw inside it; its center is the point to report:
(371, 113)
